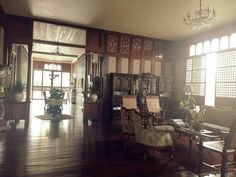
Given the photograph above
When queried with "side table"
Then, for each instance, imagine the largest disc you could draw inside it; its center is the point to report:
(93, 111)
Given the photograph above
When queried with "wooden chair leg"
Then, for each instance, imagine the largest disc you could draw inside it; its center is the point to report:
(223, 165)
(200, 159)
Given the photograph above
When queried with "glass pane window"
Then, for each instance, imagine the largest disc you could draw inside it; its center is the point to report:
(46, 78)
(192, 50)
(224, 43)
(215, 44)
(38, 77)
(57, 79)
(58, 67)
(37, 94)
(65, 79)
(226, 74)
(232, 42)
(46, 66)
(206, 47)
(210, 79)
(199, 49)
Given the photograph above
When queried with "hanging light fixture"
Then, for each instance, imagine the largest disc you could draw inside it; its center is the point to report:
(203, 17)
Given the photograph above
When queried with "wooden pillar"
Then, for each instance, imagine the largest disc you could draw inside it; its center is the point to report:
(86, 76)
(28, 88)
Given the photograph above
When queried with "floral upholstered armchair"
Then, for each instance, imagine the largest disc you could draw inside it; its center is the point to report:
(128, 103)
(149, 135)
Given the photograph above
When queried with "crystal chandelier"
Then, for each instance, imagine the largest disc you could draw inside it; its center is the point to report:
(200, 18)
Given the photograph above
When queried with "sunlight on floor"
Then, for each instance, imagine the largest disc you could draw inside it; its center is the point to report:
(41, 129)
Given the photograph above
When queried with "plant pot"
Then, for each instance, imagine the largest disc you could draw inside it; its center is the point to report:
(18, 97)
(93, 97)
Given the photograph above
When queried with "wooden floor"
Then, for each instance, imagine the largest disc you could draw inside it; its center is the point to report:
(71, 148)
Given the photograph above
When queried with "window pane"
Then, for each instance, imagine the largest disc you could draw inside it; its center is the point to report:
(207, 47)
(46, 78)
(57, 79)
(199, 88)
(192, 50)
(46, 66)
(215, 45)
(226, 74)
(224, 43)
(37, 94)
(38, 78)
(59, 67)
(65, 79)
(210, 79)
(233, 41)
(199, 63)
(199, 49)
(50, 66)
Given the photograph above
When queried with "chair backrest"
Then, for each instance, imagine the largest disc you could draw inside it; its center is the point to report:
(153, 104)
(129, 101)
(44, 95)
(231, 141)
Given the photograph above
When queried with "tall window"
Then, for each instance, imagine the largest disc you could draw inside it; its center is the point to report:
(192, 50)
(211, 68)
(206, 47)
(210, 79)
(226, 75)
(232, 43)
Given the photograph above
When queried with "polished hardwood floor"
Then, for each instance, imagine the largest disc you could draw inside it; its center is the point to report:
(72, 148)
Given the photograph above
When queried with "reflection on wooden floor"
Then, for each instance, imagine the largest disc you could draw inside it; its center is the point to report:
(71, 148)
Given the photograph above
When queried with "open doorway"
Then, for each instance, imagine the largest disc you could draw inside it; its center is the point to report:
(55, 50)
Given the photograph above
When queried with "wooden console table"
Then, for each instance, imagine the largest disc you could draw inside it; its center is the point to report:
(93, 111)
(18, 111)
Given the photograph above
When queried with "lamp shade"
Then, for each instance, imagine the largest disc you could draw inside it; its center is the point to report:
(188, 88)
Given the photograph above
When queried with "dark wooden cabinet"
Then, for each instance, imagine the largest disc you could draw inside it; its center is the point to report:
(118, 85)
(18, 111)
(148, 84)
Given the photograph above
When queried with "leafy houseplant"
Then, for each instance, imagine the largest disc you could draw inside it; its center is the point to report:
(18, 91)
(94, 89)
(55, 109)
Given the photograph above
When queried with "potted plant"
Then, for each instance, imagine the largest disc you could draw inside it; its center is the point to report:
(94, 89)
(57, 108)
(18, 91)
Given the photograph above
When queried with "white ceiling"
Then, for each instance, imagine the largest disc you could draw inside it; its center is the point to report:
(153, 18)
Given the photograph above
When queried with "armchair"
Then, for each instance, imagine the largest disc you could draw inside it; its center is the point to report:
(128, 103)
(154, 107)
(151, 136)
(223, 147)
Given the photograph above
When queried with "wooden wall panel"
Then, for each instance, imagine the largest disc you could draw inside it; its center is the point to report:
(157, 70)
(95, 41)
(112, 65)
(147, 66)
(124, 65)
(19, 29)
(136, 66)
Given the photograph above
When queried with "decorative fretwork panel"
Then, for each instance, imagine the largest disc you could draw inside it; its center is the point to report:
(137, 45)
(147, 48)
(124, 45)
(112, 43)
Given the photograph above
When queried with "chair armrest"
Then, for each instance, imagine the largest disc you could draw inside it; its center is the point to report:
(164, 128)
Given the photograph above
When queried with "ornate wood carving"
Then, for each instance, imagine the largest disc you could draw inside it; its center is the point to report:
(158, 49)
(137, 45)
(112, 43)
(124, 45)
(147, 48)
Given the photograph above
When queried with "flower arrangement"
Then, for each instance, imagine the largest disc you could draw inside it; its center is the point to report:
(18, 87)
